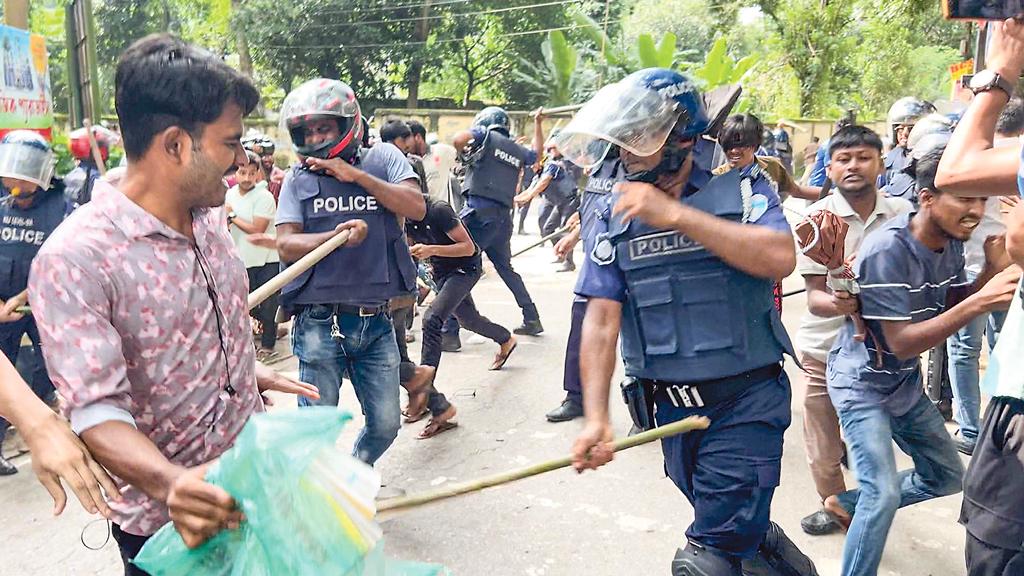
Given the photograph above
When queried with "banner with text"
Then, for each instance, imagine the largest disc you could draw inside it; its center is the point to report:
(25, 98)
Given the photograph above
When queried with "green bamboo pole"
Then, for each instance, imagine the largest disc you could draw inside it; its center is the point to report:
(460, 488)
(23, 310)
(551, 236)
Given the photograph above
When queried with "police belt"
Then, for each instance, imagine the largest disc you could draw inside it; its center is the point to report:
(710, 392)
(361, 311)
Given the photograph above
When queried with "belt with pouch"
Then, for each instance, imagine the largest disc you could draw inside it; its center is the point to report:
(706, 393)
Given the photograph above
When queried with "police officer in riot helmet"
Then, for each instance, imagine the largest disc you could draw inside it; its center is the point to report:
(494, 163)
(78, 182)
(684, 264)
(902, 117)
(901, 183)
(31, 208)
(343, 323)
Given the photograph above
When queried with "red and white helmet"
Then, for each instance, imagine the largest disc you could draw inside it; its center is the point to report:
(78, 142)
(318, 99)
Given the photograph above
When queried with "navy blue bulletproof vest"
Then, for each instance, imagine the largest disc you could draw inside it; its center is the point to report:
(902, 185)
(689, 316)
(562, 188)
(22, 233)
(599, 185)
(495, 174)
(369, 274)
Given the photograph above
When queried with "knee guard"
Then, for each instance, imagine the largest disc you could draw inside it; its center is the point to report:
(778, 556)
(696, 560)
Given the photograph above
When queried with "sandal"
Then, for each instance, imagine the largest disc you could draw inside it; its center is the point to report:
(266, 356)
(416, 409)
(439, 425)
(500, 358)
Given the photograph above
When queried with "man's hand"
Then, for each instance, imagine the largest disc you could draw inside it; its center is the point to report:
(997, 293)
(7, 311)
(593, 446)
(574, 220)
(199, 509)
(522, 199)
(268, 379)
(996, 258)
(58, 454)
(538, 114)
(845, 303)
(421, 251)
(335, 167)
(227, 209)
(262, 240)
(646, 202)
(1006, 49)
(566, 244)
(357, 231)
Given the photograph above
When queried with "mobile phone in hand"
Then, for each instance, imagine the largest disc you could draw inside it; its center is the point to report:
(982, 9)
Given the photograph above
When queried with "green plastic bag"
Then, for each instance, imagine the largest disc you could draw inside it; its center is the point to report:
(309, 508)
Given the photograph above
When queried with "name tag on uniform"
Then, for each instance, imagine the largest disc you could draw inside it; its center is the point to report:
(661, 244)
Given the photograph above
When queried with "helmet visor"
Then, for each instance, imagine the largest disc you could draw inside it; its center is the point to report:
(26, 163)
(634, 118)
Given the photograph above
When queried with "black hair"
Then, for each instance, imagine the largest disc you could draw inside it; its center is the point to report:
(162, 81)
(393, 130)
(252, 158)
(923, 169)
(417, 128)
(1011, 119)
(853, 136)
(740, 131)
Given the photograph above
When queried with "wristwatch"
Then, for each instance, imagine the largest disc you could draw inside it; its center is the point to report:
(231, 216)
(986, 80)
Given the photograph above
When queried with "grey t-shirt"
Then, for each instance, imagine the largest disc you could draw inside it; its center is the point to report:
(900, 280)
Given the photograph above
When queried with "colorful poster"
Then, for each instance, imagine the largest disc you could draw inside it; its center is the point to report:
(25, 99)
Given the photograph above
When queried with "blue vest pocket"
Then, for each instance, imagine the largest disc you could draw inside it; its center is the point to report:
(653, 300)
(707, 316)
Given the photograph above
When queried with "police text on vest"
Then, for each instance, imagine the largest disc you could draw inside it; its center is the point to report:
(345, 204)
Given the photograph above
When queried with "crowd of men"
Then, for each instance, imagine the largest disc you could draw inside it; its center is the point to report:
(132, 290)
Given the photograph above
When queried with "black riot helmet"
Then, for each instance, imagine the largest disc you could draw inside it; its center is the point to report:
(494, 118)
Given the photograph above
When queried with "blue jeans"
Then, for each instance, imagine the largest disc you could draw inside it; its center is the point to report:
(937, 471)
(367, 352)
(964, 349)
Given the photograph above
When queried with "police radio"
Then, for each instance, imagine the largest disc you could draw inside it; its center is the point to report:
(982, 9)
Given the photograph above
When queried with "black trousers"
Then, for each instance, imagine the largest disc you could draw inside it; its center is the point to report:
(453, 297)
(556, 218)
(129, 545)
(266, 312)
(571, 381)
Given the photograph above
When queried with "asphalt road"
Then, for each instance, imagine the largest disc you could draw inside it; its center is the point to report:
(626, 519)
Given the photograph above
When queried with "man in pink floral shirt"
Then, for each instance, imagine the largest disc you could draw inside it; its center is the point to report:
(141, 299)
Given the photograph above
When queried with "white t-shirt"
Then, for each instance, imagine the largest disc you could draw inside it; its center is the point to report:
(256, 203)
(817, 334)
(438, 165)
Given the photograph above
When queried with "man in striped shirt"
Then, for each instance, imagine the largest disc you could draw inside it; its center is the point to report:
(914, 294)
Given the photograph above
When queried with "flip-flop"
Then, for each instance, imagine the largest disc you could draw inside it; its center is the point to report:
(410, 417)
(434, 428)
(499, 360)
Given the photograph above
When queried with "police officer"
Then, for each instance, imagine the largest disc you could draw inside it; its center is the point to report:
(494, 163)
(30, 210)
(79, 182)
(903, 114)
(342, 323)
(684, 263)
(902, 184)
(599, 185)
(558, 185)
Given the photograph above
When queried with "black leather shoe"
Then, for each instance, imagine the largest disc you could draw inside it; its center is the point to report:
(819, 524)
(569, 410)
(963, 445)
(6, 468)
(529, 328)
(450, 343)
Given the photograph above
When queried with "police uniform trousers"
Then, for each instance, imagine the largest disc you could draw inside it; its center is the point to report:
(11, 334)
(729, 472)
(491, 229)
(571, 380)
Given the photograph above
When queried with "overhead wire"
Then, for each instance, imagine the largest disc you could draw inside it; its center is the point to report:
(441, 16)
(417, 42)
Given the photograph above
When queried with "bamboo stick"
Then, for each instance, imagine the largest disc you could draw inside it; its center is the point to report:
(96, 155)
(292, 272)
(551, 236)
(560, 109)
(460, 488)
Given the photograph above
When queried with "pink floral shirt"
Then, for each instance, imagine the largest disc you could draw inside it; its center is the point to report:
(135, 322)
